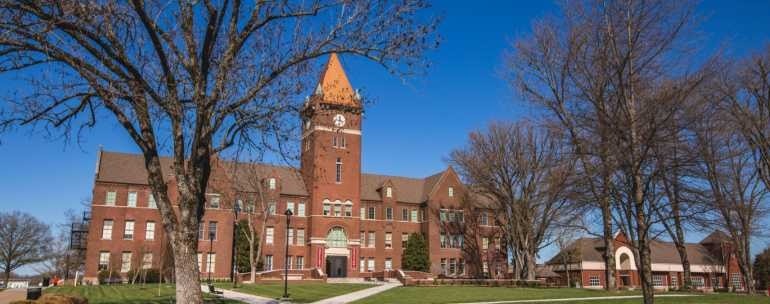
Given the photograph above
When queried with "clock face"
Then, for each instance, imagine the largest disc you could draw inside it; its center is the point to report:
(339, 120)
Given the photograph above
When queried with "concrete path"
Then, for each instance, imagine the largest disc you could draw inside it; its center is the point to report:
(579, 299)
(356, 295)
(13, 294)
(243, 297)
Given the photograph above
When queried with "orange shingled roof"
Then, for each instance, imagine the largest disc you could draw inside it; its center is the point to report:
(335, 85)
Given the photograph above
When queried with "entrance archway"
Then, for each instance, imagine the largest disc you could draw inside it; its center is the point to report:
(336, 255)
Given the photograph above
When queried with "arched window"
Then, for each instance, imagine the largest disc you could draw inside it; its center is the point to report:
(625, 262)
(336, 238)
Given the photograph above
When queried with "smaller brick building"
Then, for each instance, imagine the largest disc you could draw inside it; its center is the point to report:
(713, 264)
(346, 223)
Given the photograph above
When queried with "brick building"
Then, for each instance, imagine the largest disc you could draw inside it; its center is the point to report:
(713, 264)
(346, 223)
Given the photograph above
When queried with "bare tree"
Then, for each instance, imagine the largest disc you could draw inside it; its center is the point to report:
(24, 240)
(611, 73)
(523, 172)
(191, 77)
(735, 189)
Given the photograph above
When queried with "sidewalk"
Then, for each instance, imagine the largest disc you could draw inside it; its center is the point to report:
(356, 295)
(243, 297)
(13, 294)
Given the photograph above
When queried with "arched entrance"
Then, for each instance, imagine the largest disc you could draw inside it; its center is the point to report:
(336, 257)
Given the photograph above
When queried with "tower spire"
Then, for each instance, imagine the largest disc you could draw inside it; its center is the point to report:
(334, 85)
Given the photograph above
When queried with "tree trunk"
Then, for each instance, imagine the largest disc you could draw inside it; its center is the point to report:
(188, 286)
(609, 245)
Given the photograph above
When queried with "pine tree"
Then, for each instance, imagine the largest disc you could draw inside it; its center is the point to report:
(243, 246)
(762, 269)
(415, 256)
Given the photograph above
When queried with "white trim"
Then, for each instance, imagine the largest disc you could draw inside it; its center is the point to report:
(329, 129)
(631, 260)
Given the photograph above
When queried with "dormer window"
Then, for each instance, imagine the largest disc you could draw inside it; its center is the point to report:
(451, 192)
(389, 192)
(271, 183)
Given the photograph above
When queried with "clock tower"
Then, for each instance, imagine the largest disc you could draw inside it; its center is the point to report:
(331, 165)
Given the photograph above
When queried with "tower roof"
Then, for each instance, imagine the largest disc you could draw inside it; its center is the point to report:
(334, 85)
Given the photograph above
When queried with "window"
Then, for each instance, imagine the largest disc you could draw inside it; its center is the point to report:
(201, 232)
(362, 264)
(107, 230)
(301, 209)
(149, 231)
(371, 214)
(131, 199)
(485, 243)
(735, 281)
(442, 240)
(460, 266)
(388, 263)
(213, 231)
(339, 170)
(327, 209)
(337, 238)
(128, 232)
(371, 241)
(404, 239)
(125, 262)
(147, 260)
(388, 240)
(104, 260)
(268, 262)
(110, 199)
(388, 192)
(300, 263)
(343, 142)
(300, 237)
(291, 236)
(497, 243)
(370, 265)
(349, 210)
(271, 183)
(697, 281)
(389, 213)
(363, 213)
(334, 141)
(337, 210)
(404, 214)
(211, 262)
(657, 280)
(269, 233)
(443, 266)
(151, 201)
(200, 262)
(451, 192)
(214, 202)
(290, 206)
(483, 219)
(714, 281)
(594, 281)
(288, 262)
(452, 266)
(414, 215)
(442, 215)
(675, 281)
(271, 208)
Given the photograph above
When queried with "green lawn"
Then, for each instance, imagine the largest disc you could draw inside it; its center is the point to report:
(726, 298)
(465, 294)
(126, 294)
(298, 292)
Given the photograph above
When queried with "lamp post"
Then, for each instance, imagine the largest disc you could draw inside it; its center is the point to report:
(234, 272)
(212, 235)
(288, 214)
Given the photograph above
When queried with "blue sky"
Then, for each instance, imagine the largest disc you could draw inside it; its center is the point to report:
(409, 129)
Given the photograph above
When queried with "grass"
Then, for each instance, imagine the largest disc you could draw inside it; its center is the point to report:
(127, 294)
(298, 292)
(465, 294)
